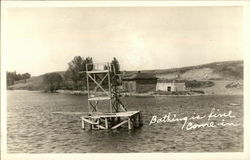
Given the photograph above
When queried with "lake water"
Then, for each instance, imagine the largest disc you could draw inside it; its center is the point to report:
(33, 128)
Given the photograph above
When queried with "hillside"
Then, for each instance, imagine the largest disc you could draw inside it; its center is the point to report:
(221, 73)
(34, 83)
(228, 70)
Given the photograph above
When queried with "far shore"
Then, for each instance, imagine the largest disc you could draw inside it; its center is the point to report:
(149, 94)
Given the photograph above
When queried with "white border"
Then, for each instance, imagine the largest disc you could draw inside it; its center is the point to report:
(120, 3)
(194, 156)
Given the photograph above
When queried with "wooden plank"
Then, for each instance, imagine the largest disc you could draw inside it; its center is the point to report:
(102, 127)
(95, 89)
(119, 114)
(121, 105)
(98, 85)
(88, 121)
(94, 106)
(71, 113)
(98, 122)
(100, 71)
(119, 124)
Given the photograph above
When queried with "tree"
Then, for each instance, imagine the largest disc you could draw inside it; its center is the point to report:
(76, 70)
(115, 66)
(25, 76)
(13, 76)
(115, 70)
(89, 61)
(52, 81)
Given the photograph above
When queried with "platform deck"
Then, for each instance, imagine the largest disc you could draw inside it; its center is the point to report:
(113, 120)
(119, 114)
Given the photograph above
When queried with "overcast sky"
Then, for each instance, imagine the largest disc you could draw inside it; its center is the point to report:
(41, 40)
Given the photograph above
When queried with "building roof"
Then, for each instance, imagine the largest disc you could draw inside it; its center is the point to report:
(140, 76)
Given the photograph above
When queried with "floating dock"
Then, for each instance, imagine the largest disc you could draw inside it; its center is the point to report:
(131, 119)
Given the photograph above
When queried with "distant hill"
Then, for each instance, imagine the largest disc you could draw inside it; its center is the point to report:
(33, 83)
(227, 70)
(222, 71)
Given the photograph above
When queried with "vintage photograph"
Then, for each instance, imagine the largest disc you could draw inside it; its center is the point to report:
(124, 79)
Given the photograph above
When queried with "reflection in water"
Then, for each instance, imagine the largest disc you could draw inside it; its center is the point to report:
(32, 128)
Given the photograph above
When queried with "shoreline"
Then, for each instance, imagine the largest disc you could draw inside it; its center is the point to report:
(76, 92)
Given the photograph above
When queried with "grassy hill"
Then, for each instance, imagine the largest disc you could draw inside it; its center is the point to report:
(228, 72)
(33, 83)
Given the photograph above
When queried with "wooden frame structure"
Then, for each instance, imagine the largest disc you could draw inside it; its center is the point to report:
(103, 77)
(100, 75)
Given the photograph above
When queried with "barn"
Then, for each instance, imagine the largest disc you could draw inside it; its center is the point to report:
(170, 85)
(139, 82)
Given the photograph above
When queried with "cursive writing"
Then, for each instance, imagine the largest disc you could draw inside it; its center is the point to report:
(193, 122)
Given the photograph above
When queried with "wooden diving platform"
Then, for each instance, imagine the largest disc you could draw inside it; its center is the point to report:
(102, 82)
(131, 119)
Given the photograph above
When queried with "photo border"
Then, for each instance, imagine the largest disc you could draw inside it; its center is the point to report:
(66, 156)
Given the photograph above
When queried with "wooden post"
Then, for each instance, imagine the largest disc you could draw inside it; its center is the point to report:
(135, 118)
(83, 124)
(88, 87)
(90, 110)
(112, 120)
(132, 122)
(129, 123)
(91, 125)
(110, 101)
(98, 123)
(106, 123)
(140, 119)
(135, 122)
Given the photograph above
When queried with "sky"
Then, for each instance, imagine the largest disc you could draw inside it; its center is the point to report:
(41, 40)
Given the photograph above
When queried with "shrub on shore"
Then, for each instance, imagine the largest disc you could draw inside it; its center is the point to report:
(199, 84)
(52, 81)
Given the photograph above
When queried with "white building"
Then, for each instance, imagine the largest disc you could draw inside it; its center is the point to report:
(170, 85)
